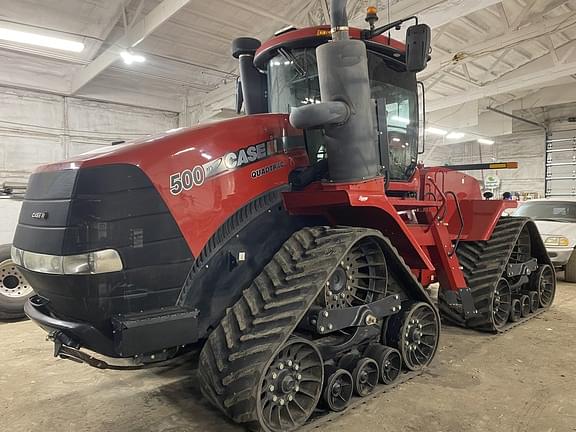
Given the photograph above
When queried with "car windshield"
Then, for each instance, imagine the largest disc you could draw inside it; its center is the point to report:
(559, 211)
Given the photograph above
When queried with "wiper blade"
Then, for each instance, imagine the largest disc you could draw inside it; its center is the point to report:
(290, 57)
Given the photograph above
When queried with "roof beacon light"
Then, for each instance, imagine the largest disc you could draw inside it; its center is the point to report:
(371, 16)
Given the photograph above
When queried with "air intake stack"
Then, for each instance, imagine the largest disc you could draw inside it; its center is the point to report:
(346, 111)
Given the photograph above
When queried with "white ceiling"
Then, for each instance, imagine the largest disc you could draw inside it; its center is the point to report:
(485, 52)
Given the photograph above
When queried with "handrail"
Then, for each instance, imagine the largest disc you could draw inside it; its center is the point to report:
(444, 200)
(461, 217)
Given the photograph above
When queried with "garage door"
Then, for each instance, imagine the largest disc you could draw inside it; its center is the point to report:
(560, 177)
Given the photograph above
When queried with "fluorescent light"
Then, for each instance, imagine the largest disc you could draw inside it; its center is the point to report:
(485, 141)
(40, 40)
(455, 135)
(402, 120)
(130, 58)
(436, 131)
(396, 139)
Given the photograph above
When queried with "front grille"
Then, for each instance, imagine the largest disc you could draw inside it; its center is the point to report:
(70, 212)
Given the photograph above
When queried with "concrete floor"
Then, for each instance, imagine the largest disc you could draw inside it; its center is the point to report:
(520, 381)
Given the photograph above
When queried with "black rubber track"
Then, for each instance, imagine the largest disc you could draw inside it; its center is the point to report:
(239, 350)
(483, 263)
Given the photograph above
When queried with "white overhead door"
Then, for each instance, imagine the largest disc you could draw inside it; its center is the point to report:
(560, 177)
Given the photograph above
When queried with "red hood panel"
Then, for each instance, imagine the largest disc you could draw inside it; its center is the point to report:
(206, 173)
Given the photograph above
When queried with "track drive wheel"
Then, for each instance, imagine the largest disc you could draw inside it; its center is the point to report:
(291, 386)
(415, 333)
(338, 389)
(544, 282)
(389, 361)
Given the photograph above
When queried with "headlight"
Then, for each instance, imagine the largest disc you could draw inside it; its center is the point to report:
(104, 261)
(556, 241)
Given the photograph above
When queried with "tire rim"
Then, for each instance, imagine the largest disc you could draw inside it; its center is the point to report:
(291, 386)
(12, 282)
(338, 390)
(361, 277)
(501, 303)
(546, 285)
(419, 337)
(390, 366)
(365, 375)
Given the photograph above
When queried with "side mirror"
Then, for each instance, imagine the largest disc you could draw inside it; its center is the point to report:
(417, 47)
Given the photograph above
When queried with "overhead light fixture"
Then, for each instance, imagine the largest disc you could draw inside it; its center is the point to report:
(455, 135)
(130, 57)
(399, 119)
(396, 139)
(485, 141)
(436, 131)
(40, 40)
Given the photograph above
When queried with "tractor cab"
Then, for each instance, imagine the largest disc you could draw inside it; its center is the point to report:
(287, 77)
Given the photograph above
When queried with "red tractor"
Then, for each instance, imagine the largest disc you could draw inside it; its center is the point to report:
(290, 246)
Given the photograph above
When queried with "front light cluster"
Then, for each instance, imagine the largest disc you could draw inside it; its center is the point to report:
(556, 241)
(104, 261)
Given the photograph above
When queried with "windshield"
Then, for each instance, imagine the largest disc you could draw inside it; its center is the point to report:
(293, 81)
(559, 211)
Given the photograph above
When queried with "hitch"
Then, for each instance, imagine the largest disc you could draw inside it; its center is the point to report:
(68, 349)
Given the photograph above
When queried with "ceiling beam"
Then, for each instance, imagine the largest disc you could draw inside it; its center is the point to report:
(540, 73)
(436, 13)
(133, 37)
(492, 45)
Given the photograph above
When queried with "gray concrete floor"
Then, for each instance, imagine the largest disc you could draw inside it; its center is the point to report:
(523, 380)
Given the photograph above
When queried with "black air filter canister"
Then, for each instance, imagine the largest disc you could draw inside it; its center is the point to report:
(352, 146)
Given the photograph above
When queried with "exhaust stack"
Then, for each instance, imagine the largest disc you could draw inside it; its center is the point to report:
(346, 112)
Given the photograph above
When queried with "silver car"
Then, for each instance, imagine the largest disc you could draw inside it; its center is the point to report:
(556, 221)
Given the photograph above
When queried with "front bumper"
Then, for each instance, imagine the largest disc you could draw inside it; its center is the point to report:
(559, 255)
(132, 335)
(83, 334)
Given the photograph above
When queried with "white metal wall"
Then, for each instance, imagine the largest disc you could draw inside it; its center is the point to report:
(527, 148)
(37, 128)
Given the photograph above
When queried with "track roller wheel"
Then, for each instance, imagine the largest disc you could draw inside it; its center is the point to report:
(524, 305)
(291, 386)
(534, 301)
(365, 376)
(544, 282)
(415, 332)
(515, 310)
(389, 362)
(338, 389)
(501, 303)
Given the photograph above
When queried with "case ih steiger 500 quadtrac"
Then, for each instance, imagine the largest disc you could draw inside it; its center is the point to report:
(290, 246)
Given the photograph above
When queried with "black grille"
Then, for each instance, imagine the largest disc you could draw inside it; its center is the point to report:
(71, 212)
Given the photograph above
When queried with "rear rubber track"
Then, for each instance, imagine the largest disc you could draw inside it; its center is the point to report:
(483, 263)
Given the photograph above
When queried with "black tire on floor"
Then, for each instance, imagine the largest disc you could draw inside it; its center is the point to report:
(14, 289)
(570, 269)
